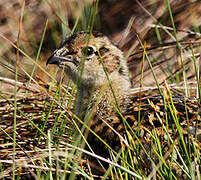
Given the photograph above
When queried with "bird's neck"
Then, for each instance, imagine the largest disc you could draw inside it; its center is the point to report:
(102, 100)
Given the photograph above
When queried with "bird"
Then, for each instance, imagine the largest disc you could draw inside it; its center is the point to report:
(105, 96)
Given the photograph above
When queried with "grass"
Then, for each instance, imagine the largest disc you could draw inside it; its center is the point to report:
(41, 135)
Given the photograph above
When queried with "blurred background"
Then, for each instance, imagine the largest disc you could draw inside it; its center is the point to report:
(130, 24)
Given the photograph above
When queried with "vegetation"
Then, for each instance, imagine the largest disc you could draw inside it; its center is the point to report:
(39, 132)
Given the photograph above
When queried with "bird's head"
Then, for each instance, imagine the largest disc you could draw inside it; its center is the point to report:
(84, 57)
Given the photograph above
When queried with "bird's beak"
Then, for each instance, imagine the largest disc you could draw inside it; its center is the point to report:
(54, 59)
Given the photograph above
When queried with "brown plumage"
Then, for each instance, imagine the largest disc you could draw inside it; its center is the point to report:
(104, 92)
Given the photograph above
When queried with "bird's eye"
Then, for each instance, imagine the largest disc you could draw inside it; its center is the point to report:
(88, 51)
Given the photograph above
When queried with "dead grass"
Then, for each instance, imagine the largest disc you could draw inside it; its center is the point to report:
(44, 133)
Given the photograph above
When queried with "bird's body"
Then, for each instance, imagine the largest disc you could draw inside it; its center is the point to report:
(104, 92)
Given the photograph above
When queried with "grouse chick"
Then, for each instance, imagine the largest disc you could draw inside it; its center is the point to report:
(100, 72)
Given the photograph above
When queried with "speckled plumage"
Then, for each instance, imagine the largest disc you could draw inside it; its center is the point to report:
(103, 72)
